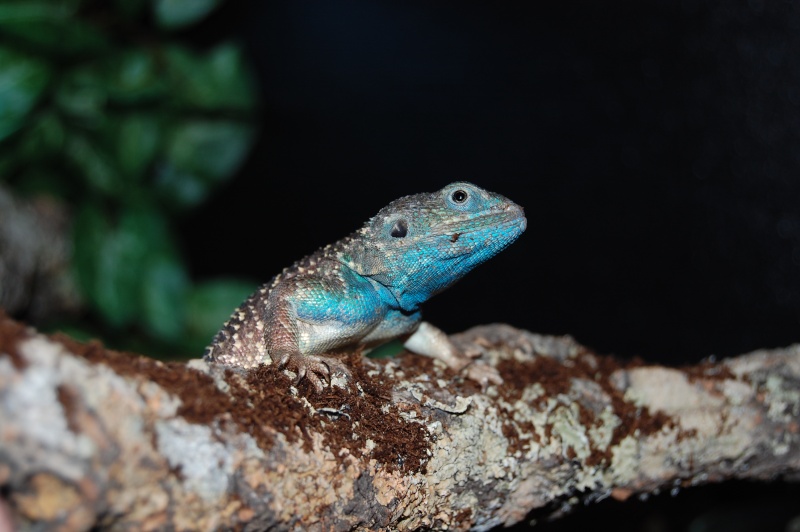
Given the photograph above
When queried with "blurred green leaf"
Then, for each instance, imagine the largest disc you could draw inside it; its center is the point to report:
(137, 139)
(199, 154)
(188, 78)
(105, 113)
(230, 76)
(23, 79)
(116, 289)
(165, 287)
(151, 228)
(82, 95)
(27, 11)
(89, 232)
(219, 79)
(8, 163)
(57, 34)
(180, 189)
(39, 180)
(209, 305)
(44, 137)
(94, 165)
(173, 14)
(212, 149)
(112, 259)
(134, 77)
(130, 8)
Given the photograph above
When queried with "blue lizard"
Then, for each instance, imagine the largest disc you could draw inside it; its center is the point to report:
(367, 288)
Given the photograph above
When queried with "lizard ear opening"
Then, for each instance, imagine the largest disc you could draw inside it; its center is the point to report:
(400, 229)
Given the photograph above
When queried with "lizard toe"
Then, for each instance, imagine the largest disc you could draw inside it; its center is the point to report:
(281, 358)
(315, 381)
(310, 367)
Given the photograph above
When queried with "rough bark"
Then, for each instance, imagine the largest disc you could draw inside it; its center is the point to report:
(35, 253)
(92, 437)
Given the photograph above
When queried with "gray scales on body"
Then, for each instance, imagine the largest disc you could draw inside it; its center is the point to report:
(367, 288)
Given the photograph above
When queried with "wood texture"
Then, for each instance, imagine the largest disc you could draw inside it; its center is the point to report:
(91, 437)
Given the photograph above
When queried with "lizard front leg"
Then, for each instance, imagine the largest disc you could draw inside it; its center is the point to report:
(433, 342)
(323, 309)
(282, 338)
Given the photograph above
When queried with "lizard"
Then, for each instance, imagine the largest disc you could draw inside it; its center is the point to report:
(367, 288)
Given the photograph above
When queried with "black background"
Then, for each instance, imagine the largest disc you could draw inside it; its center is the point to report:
(654, 145)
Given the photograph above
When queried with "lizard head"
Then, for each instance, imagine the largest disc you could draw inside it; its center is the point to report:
(419, 245)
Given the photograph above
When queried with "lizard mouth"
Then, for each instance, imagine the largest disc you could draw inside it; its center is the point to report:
(503, 218)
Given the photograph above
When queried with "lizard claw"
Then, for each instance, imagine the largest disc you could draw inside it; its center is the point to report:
(315, 369)
(315, 381)
(281, 358)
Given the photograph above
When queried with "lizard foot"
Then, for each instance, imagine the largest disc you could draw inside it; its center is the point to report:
(316, 369)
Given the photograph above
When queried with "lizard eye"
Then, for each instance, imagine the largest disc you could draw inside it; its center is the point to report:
(459, 196)
(400, 229)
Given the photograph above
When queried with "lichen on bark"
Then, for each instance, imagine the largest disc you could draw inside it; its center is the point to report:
(93, 437)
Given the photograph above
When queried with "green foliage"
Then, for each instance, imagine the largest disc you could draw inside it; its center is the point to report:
(177, 13)
(210, 304)
(23, 80)
(102, 105)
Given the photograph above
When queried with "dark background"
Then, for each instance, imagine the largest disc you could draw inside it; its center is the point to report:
(654, 145)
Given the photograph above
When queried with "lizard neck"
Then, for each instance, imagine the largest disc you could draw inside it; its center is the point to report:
(405, 281)
(372, 263)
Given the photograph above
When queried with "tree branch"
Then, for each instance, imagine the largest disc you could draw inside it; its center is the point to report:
(92, 437)
(35, 254)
